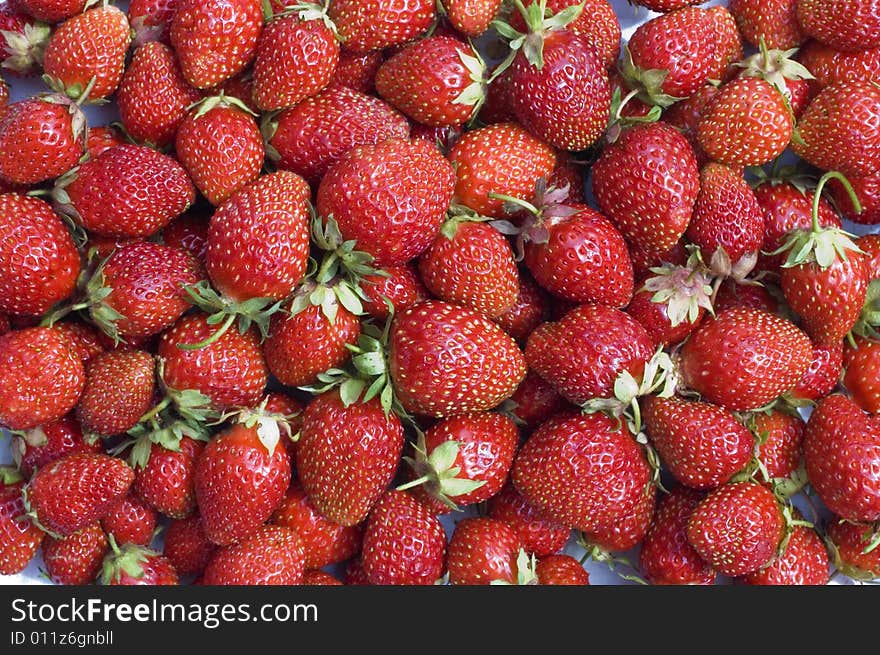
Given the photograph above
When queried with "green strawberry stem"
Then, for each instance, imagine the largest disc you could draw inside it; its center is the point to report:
(817, 195)
(212, 339)
(538, 25)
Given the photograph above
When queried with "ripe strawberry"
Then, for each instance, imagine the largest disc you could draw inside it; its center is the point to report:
(841, 445)
(839, 129)
(500, 159)
(323, 541)
(85, 56)
(870, 245)
(40, 138)
(347, 456)
(830, 66)
(728, 44)
(390, 197)
(823, 374)
(849, 25)
(165, 478)
(703, 445)
(403, 288)
(780, 438)
(357, 70)
(230, 371)
(119, 390)
(19, 538)
(372, 24)
(483, 551)
(76, 490)
(131, 565)
(188, 232)
(153, 96)
(84, 340)
(101, 138)
(187, 547)
(215, 39)
(240, 478)
(51, 11)
(582, 354)
(534, 401)
(539, 535)
(867, 190)
(404, 543)
(39, 263)
(46, 443)
(849, 542)
(320, 579)
(446, 360)
(681, 305)
(77, 559)
(150, 20)
(648, 177)
(43, 379)
(219, 144)
(530, 309)
(23, 40)
(745, 358)
(561, 570)
(270, 556)
(862, 377)
(130, 521)
(471, 17)
(773, 22)
(666, 557)
(803, 562)
(746, 124)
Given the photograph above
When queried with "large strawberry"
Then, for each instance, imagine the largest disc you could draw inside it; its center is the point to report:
(539, 535)
(164, 477)
(483, 551)
(77, 559)
(843, 24)
(272, 555)
(19, 537)
(372, 24)
(803, 562)
(34, 448)
(119, 389)
(773, 22)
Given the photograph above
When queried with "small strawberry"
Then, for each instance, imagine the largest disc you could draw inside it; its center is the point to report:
(403, 288)
(132, 565)
(22, 40)
(780, 442)
(851, 549)
(357, 70)
(803, 562)
(164, 479)
(19, 537)
(483, 551)
(728, 44)
(77, 559)
(867, 190)
(372, 24)
(119, 390)
(188, 232)
(849, 25)
(862, 377)
(272, 555)
(150, 20)
(471, 17)
(46, 443)
(775, 23)
(101, 138)
(530, 309)
(130, 521)
(830, 66)
(823, 373)
(187, 547)
(561, 570)
(534, 401)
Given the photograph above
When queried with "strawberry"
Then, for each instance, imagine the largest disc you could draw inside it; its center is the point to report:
(372, 24)
(849, 25)
(862, 376)
(77, 559)
(323, 541)
(19, 538)
(703, 445)
(483, 551)
(561, 570)
(403, 288)
(530, 309)
(357, 70)
(215, 39)
(231, 371)
(728, 44)
(446, 360)
(830, 66)
(438, 81)
(666, 557)
(803, 562)
(534, 401)
(46, 443)
(76, 490)
(745, 358)
(101, 138)
(22, 42)
(39, 263)
(51, 11)
(347, 456)
(737, 528)
(43, 378)
(270, 556)
(499, 159)
(40, 138)
(165, 478)
(498, 106)
(85, 56)
(841, 443)
(780, 442)
(539, 535)
(188, 232)
(851, 549)
(219, 144)
(119, 389)
(240, 478)
(682, 298)
(867, 190)
(309, 137)
(130, 521)
(296, 57)
(748, 123)
(823, 373)
(320, 579)
(151, 20)
(132, 565)
(187, 547)
(870, 245)
(582, 354)
(84, 340)
(648, 177)
(153, 95)
(471, 17)
(404, 543)
(773, 22)
(390, 197)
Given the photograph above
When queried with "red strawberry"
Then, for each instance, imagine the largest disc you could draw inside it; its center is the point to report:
(841, 446)
(188, 232)
(390, 197)
(165, 478)
(534, 401)
(215, 39)
(119, 390)
(539, 535)
(320, 578)
(84, 340)
(803, 562)
(745, 358)
(19, 538)
(862, 377)
(703, 445)
(187, 547)
(780, 442)
(728, 44)
(850, 541)
(347, 456)
(43, 379)
(737, 528)
(240, 478)
(752, 296)
(867, 190)
(830, 66)
(130, 521)
(23, 40)
(77, 559)
(270, 556)
(446, 360)
(680, 307)
(843, 24)
(870, 245)
(51, 11)
(404, 543)
(483, 551)
(46, 443)
(823, 374)
(76, 490)
(648, 177)
(561, 570)
(666, 557)
(471, 17)
(101, 138)
(150, 20)
(530, 309)
(357, 70)
(85, 55)
(373, 24)
(773, 22)
(403, 288)
(131, 565)
(39, 263)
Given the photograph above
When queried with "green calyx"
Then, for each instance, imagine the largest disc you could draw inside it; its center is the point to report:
(76, 92)
(437, 472)
(526, 570)
(205, 105)
(474, 94)
(127, 559)
(683, 290)
(648, 84)
(269, 425)
(868, 323)
(539, 24)
(775, 67)
(612, 561)
(25, 48)
(618, 121)
(10, 475)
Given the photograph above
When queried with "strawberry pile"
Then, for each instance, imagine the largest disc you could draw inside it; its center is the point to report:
(333, 276)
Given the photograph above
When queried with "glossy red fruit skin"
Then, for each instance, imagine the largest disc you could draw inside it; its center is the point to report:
(830, 66)
(321, 129)
(19, 538)
(534, 401)
(745, 358)
(187, 547)
(561, 570)
(151, 20)
(539, 535)
(347, 456)
(841, 446)
(166, 482)
(531, 308)
(728, 44)
(666, 557)
(357, 71)
(582, 354)
(703, 445)
(851, 540)
(271, 556)
(52, 11)
(130, 521)
(737, 528)
(101, 138)
(323, 541)
(403, 287)
(481, 551)
(867, 190)
(804, 562)
(119, 389)
(76, 560)
(862, 377)
(842, 24)
(84, 340)
(750, 296)
(231, 371)
(654, 318)
(43, 378)
(776, 22)
(823, 374)
(372, 24)
(780, 446)
(48, 442)
(39, 262)
(446, 360)
(188, 232)
(648, 177)
(157, 571)
(404, 542)
(870, 245)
